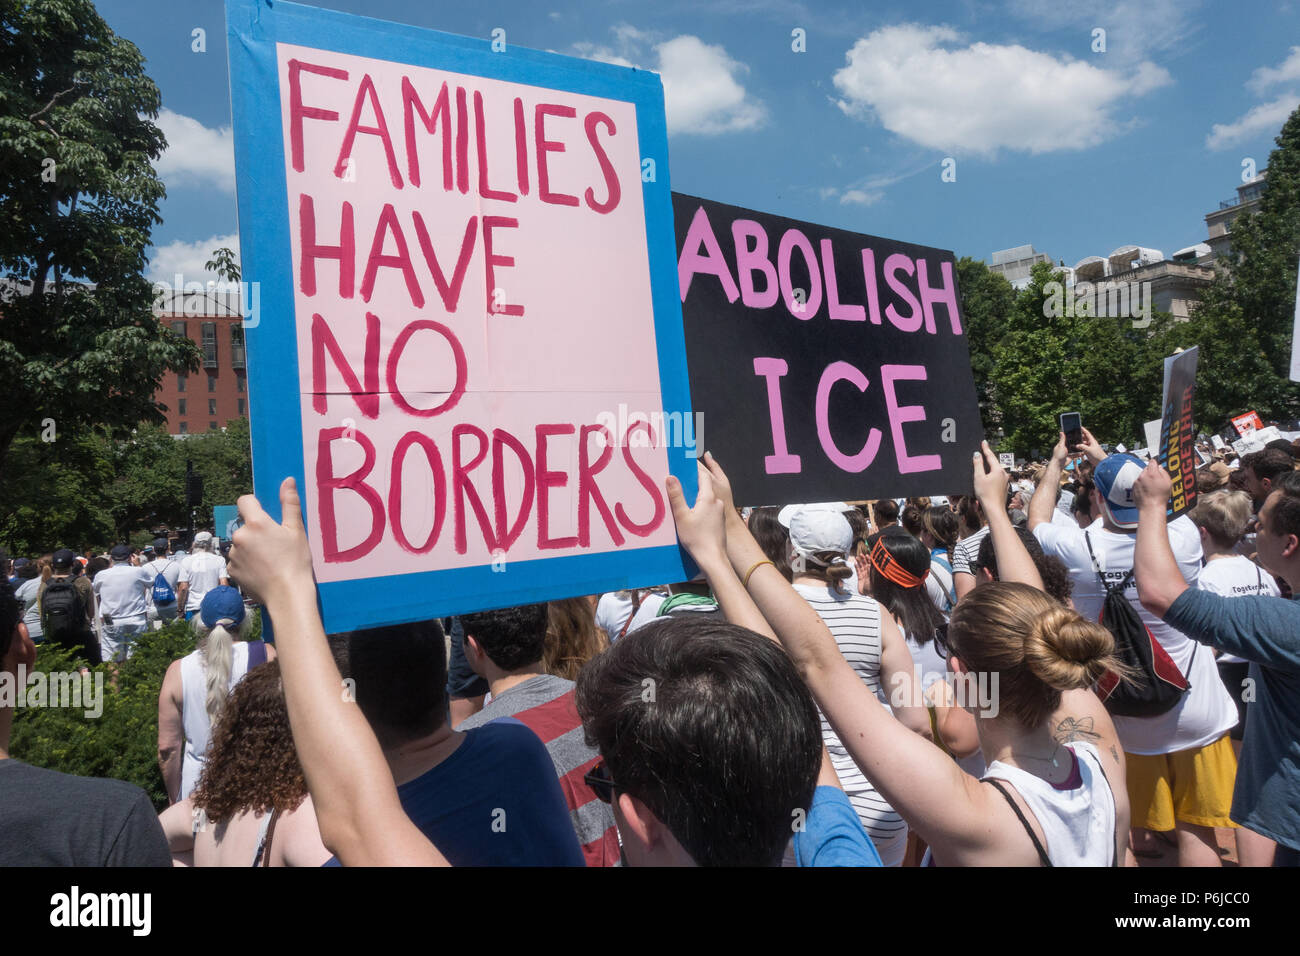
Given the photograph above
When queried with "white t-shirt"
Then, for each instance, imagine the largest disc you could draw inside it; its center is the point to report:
(122, 591)
(202, 571)
(28, 592)
(965, 555)
(1236, 577)
(937, 582)
(1206, 712)
(168, 567)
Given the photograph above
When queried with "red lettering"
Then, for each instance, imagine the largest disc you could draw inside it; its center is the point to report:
(493, 260)
(345, 252)
(612, 189)
(521, 148)
(387, 223)
(395, 490)
(484, 190)
(367, 91)
(507, 534)
(298, 112)
(588, 491)
(395, 356)
(462, 488)
(322, 339)
(545, 146)
(327, 484)
(412, 107)
(450, 291)
(548, 479)
(652, 489)
(462, 142)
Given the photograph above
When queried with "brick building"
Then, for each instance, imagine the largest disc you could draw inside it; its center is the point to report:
(218, 392)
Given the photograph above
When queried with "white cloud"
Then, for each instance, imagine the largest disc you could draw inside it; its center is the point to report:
(1133, 30)
(187, 258)
(1263, 118)
(920, 83)
(703, 89)
(195, 154)
(1266, 118)
(1266, 77)
(860, 197)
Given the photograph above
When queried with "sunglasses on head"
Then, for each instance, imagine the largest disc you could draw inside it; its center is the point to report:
(601, 783)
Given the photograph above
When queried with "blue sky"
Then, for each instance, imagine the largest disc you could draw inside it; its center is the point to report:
(1075, 151)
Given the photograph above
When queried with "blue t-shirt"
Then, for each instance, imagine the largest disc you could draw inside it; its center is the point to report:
(494, 802)
(833, 835)
(1266, 632)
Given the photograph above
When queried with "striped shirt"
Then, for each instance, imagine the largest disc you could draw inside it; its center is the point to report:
(854, 620)
(545, 705)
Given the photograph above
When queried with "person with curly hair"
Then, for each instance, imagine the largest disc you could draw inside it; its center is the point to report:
(251, 805)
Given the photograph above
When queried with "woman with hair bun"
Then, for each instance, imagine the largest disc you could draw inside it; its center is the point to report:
(195, 688)
(1044, 801)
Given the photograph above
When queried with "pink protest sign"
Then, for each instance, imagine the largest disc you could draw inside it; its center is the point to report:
(468, 259)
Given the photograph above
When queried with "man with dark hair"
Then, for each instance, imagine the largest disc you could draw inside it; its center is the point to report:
(486, 797)
(56, 819)
(710, 742)
(506, 647)
(1262, 630)
(1261, 469)
(67, 607)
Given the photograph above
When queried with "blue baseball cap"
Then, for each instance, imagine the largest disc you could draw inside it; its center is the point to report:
(222, 604)
(1114, 479)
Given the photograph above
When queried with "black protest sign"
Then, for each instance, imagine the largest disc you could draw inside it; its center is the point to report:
(1177, 437)
(826, 364)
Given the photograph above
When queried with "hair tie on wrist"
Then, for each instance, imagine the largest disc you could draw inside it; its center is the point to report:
(755, 567)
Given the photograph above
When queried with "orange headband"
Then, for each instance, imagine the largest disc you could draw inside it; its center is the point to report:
(888, 565)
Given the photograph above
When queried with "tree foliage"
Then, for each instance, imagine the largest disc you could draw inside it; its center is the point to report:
(92, 490)
(78, 201)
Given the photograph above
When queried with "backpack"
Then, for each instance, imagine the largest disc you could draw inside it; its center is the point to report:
(162, 591)
(63, 610)
(1158, 685)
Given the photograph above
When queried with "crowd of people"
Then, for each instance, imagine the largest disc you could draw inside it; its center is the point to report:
(95, 605)
(1046, 672)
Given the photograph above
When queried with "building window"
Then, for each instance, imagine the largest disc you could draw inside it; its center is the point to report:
(236, 346)
(239, 384)
(180, 383)
(212, 426)
(209, 344)
(243, 407)
(185, 429)
(212, 406)
(212, 383)
(179, 329)
(180, 407)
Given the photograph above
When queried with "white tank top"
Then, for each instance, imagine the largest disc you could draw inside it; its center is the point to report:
(194, 710)
(1078, 822)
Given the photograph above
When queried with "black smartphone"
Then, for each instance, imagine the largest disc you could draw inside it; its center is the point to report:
(1072, 425)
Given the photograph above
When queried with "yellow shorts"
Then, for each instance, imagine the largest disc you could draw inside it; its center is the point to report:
(1190, 786)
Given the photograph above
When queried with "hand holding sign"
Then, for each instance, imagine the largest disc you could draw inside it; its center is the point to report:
(1152, 488)
(270, 559)
(701, 529)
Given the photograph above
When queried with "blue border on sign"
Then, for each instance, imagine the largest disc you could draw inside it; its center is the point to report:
(253, 28)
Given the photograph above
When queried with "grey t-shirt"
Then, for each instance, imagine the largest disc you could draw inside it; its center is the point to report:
(56, 819)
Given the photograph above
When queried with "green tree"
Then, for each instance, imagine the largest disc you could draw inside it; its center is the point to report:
(1245, 318)
(78, 200)
(987, 299)
(56, 493)
(1050, 359)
